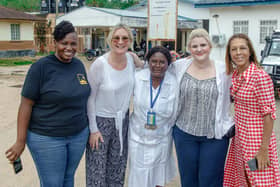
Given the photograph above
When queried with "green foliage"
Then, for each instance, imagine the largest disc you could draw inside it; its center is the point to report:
(41, 31)
(34, 5)
(22, 5)
(41, 54)
(118, 4)
(15, 62)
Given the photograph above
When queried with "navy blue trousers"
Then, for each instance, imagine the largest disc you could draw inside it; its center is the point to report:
(200, 160)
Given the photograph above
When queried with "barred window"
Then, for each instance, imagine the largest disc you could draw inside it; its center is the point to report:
(266, 28)
(240, 26)
(15, 32)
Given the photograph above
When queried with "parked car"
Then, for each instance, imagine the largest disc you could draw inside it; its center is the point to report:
(270, 60)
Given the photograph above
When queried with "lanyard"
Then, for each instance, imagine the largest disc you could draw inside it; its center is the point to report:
(151, 92)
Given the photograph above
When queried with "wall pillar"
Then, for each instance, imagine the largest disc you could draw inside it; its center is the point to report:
(183, 45)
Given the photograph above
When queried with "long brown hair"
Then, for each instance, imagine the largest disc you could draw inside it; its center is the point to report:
(252, 58)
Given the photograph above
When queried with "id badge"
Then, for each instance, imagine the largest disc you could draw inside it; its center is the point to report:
(151, 120)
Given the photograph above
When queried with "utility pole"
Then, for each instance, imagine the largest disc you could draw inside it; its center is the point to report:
(56, 8)
(56, 11)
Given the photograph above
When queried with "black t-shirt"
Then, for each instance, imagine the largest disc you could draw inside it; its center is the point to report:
(60, 91)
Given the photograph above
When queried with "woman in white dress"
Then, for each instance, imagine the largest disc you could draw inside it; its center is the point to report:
(151, 162)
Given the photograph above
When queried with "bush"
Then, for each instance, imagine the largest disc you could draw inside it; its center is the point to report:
(15, 62)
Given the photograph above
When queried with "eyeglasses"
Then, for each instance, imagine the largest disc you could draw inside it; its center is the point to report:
(118, 38)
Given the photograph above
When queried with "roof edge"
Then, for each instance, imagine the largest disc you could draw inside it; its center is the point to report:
(231, 4)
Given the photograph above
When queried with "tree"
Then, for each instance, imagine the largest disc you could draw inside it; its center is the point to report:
(41, 29)
(22, 5)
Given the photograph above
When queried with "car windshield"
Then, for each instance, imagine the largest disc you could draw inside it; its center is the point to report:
(275, 48)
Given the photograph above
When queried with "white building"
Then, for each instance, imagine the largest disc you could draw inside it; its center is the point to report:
(185, 9)
(257, 19)
(17, 33)
(93, 25)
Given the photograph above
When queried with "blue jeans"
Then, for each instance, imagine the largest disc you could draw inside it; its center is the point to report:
(200, 160)
(57, 158)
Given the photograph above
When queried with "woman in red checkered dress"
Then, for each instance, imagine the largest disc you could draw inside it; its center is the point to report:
(254, 108)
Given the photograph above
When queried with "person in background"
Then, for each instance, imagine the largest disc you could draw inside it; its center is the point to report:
(111, 78)
(203, 119)
(143, 44)
(254, 113)
(175, 56)
(135, 45)
(52, 116)
(151, 161)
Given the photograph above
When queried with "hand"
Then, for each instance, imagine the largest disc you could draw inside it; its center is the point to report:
(138, 63)
(262, 159)
(15, 151)
(94, 140)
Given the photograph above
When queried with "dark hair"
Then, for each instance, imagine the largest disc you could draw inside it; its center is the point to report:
(62, 29)
(160, 49)
(252, 58)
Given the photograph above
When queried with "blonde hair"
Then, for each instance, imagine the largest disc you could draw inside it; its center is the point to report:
(197, 33)
(117, 27)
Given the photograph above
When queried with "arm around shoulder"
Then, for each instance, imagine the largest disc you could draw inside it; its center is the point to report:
(137, 62)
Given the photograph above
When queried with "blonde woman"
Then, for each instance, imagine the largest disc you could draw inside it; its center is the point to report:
(203, 115)
(111, 78)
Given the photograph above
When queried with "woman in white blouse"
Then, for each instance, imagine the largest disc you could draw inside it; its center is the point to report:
(151, 160)
(111, 78)
(203, 120)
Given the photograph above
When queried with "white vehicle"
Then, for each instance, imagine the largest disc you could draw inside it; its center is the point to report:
(271, 59)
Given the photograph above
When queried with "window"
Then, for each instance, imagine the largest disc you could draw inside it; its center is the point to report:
(240, 27)
(266, 28)
(15, 32)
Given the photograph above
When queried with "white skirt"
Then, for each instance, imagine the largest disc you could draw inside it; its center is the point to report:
(151, 165)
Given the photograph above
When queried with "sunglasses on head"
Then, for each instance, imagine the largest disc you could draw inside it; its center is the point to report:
(118, 38)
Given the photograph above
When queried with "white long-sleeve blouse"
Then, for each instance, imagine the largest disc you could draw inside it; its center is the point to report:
(110, 91)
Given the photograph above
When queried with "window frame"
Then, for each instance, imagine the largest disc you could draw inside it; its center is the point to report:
(240, 26)
(266, 28)
(15, 31)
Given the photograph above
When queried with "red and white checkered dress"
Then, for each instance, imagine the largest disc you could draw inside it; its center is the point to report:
(254, 98)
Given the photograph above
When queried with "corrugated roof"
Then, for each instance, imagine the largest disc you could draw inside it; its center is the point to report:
(226, 3)
(88, 16)
(136, 14)
(119, 12)
(8, 13)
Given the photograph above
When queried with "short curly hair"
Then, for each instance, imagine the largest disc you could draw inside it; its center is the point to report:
(160, 49)
(62, 29)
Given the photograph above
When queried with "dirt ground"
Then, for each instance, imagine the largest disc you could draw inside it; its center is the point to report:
(11, 80)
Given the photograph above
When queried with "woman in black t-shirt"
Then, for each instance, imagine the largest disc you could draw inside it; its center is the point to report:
(52, 117)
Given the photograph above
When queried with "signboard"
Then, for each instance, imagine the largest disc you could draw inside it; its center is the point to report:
(162, 19)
